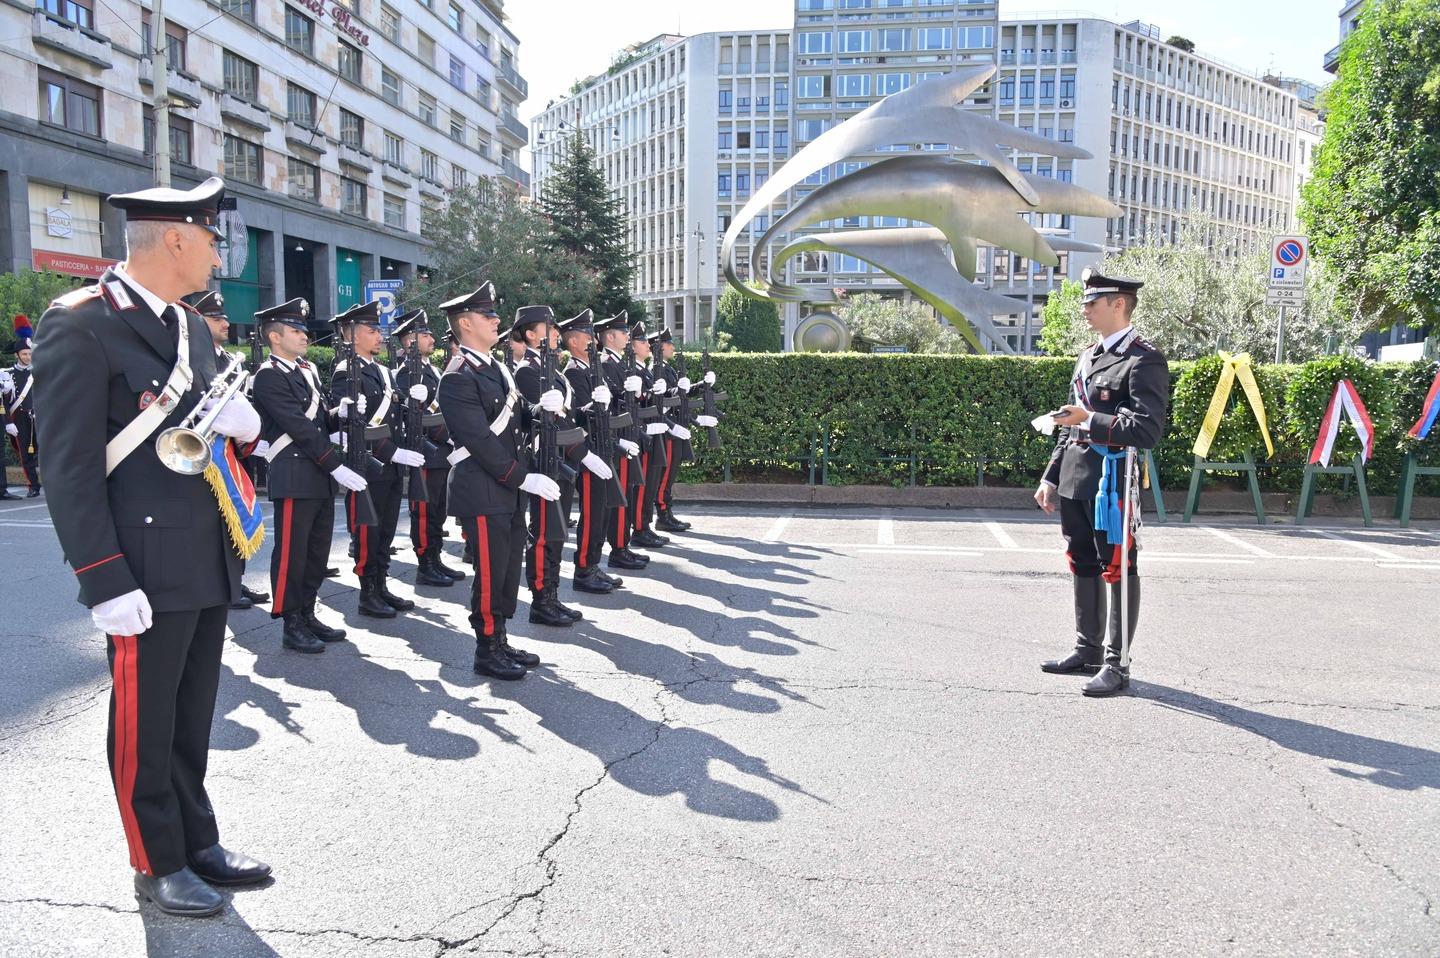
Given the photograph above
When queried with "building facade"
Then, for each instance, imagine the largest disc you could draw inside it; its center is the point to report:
(1349, 19)
(333, 123)
(684, 129)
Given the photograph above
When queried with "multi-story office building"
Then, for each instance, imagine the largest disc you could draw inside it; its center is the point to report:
(334, 123)
(684, 129)
(1309, 128)
(1349, 20)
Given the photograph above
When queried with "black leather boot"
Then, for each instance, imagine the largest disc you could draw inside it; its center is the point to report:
(468, 556)
(297, 637)
(669, 523)
(254, 595)
(543, 611)
(649, 540)
(614, 580)
(319, 629)
(1115, 678)
(592, 581)
(490, 659)
(371, 603)
(427, 574)
(219, 866)
(332, 572)
(1089, 617)
(519, 656)
(179, 893)
(390, 598)
(439, 565)
(625, 559)
(575, 615)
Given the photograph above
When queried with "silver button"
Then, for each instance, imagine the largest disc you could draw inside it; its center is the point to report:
(149, 519)
(154, 382)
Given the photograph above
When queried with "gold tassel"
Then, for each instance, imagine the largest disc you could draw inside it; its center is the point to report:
(245, 546)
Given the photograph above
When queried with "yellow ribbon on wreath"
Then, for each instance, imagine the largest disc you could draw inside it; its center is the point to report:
(1232, 368)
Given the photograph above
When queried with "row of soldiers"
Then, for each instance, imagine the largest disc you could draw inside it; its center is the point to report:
(17, 410)
(620, 414)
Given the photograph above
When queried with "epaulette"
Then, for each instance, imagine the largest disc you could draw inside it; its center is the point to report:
(340, 367)
(76, 296)
(455, 363)
(1145, 344)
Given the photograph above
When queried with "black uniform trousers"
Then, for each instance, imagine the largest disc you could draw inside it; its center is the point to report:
(545, 540)
(590, 528)
(620, 519)
(300, 554)
(667, 478)
(27, 449)
(653, 461)
(1088, 549)
(427, 519)
(499, 552)
(372, 543)
(162, 702)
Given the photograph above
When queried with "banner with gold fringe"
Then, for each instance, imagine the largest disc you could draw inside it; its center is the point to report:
(236, 495)
(1233, 368)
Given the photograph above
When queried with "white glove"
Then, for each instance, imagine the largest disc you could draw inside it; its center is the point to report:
(710, 378)
(634, 385)
(349, 478)
(628, 447)
(656, 429)
(679, 432)
(336, 439)
(419, 393)
(660, 386)
(596, 465)
(262, 449)
(552, 400)
(236, 419)
(12, 429)
(684, 384)
(407, 457)
(601, 394)
(343, 410)
(709, 422)
(127, 614)
(539, 484)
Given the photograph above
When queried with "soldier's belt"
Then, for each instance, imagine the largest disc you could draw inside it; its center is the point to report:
(278, 446)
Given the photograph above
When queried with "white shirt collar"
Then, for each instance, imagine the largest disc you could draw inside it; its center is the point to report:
(612, 353)
(287, 365)
(156, 304)
(477, 356)
(1109, 341)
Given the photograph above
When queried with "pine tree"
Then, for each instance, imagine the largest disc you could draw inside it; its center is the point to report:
(589, 223)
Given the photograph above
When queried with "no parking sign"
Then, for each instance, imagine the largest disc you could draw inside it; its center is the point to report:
(1289, 255)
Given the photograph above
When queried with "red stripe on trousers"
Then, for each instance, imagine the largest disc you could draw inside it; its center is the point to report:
(540, 546)
(287, 509)
(424, 533)
(1112, 569)
(665, 479)
(580, 559)
(362, 550)
(620, 512)
(640, 509)
(482, 576)
(126, 682)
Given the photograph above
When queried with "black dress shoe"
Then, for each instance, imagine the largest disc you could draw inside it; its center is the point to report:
(33, 493)
(1085, 660)
(614, 580)
(390, 598)
(1112, 680)
(7, 494)
(671, 524)
(254, 595)
(649, 540)
(221, 867)
(179, 893)
(543, 613)
(331, 572)
(298, 638)
(575, 615)
(319, 629)
(619, 560)
(244, 602)
(570, 523)
(593, 584)
(491, 660)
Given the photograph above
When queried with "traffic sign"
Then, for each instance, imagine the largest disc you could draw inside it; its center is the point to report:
(1294, 299)
(1289, 256)
(387, 293)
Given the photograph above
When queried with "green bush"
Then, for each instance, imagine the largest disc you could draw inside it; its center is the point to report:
(1239, 429)
(1308, 396)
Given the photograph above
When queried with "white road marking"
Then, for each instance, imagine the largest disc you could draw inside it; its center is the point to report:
(1001, 536)
(920, 551)
(885, 530)
(1373, 550)
(1221, 560)
(1408, 565)
(1237, 541)
(777, 529)
(10, 509)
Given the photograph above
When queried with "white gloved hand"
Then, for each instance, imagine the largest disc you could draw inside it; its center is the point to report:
(539, 484)
(628, 447)
(419, 393)
(349, 479)
(601, 394)
(127, 614)
(709, 422)
(679, 432)
(407, 457)
(236, 419)
(656, 429)
(262, 449)
(634, 385)
(343, 410)
(710, 378)
(684, 384)
(336, 439)
(597, 465)
(552, 400)
(660, 386)
(12, 429)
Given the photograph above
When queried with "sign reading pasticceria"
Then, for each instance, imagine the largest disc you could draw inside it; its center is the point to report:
(344, 19)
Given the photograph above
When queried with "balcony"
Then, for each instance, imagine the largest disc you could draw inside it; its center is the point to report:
(396, 173)
(358, 158)
(511, 170)
(511, 126)
(1332, 59)
(512, 78)
(178, 84)
(305, 137)
(243, 111)
(66, 37)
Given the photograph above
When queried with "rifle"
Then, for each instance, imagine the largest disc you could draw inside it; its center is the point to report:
(357, 454)
(414, 420)
(686, 450)
(710, 398)
(548, 437)
(603, 428)
(257, 351)
(258, 465)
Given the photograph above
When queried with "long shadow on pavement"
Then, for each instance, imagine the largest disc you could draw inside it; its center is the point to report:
(226, 934)
(1405, 767)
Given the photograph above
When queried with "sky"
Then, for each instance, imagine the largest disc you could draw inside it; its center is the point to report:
(562, 41)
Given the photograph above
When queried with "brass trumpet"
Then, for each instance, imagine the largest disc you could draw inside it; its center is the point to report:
(186, 448)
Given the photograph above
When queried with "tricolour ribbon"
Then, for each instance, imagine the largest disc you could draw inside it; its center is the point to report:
(1345, 399)
(1232, 368)
(1429, 411)
(235, 494)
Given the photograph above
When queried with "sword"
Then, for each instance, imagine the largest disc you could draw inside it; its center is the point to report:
(1130, 482)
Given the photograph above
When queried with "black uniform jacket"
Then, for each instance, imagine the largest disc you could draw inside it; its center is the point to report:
(1128, 388)
(530, 380)
(20, 375)
(439, 436)
(473, 393)
(284, 392)
(375, 386)
(101, 356)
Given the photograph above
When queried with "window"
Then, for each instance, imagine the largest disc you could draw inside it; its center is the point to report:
(352, 196)
(300, 105)
(854, 84)
(727, 99)
(855, 41)
(242, 160)
(933, 38)
(782, 95)
(394, 149)
(175, 37)
(429, 166)
(483, 146)
(742, 182)
(888, 83)
(242, 78)
(782, 139)
(67, 102)
(182, 137)
(723, 185)
(302, 180)
(742, 140)
(894, 40)
(459, 177)
(389, 87)
(726, 140)
(429, 114)
(389, 22)
(80, 14)
(457, 72)
(299, 32)
(457, 128)
(762, 140)
(245, 9)
(426, 49)
(348, 62)
(456, 18)
(352, 130)
(811, 87)
(980, 38)
(816, 42)
(395, 211)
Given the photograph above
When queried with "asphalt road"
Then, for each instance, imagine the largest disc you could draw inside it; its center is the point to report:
(809, 733)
